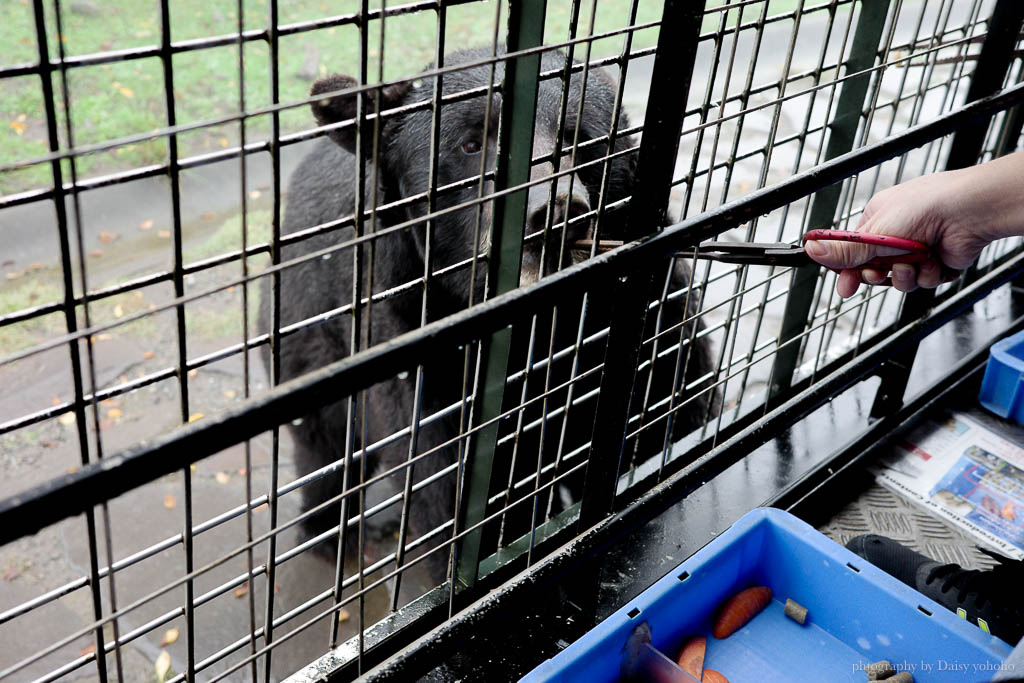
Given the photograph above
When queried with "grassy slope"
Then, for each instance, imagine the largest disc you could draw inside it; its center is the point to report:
(114, 100)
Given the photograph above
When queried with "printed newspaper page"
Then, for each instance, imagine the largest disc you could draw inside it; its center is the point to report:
(966, 473)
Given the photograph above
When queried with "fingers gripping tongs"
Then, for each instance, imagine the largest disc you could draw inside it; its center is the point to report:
(783, 254)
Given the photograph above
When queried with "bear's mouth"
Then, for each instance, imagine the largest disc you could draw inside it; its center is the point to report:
(557, 254)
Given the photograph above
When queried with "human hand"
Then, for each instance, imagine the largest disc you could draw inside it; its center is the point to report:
(929, 209)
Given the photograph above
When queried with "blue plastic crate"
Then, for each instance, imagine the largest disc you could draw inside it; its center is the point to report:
(1002, 389)
(857, 614)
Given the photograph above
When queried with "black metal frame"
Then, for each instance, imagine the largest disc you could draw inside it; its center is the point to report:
(625, 274)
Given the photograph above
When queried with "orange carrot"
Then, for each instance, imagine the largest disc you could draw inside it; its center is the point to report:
(739, 609)
(691, 657)
(712, 676)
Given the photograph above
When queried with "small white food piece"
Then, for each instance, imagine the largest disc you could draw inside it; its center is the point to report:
(795, 611)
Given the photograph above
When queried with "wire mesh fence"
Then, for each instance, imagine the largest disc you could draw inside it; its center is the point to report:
(313, 323)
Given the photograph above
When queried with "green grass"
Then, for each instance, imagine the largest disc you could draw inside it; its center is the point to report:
(115, 100)
(228, 236)
(37, 287)
(27, 290)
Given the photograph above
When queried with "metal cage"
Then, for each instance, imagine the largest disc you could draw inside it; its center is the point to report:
(354, 449)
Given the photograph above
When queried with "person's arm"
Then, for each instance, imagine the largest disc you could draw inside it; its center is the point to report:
(956, 212)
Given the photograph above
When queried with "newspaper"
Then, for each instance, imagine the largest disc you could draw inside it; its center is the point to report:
(963, 472)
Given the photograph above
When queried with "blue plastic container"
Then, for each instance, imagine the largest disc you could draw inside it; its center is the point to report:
(1002, 390)
(857, 614)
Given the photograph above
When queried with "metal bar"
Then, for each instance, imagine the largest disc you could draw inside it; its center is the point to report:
(843, 130)
(663, 122)
(72, 493)
(515, 146)
(994, 61)
(275, 325)
(243, 204)
(429, 229)
(470, 377)
(70, 317)
(356, 296)
(87, 319)
(178, 280)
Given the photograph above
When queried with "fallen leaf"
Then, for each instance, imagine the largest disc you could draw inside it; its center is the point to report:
(207, 216)
(255, 194)
(343, 615)
(72, 469)
(87, 650)
(223, 142)
(195, 416)
(222, 477)
(14, 274)
(114, 413)
(118, 311)
(148, 354)
(108, 236)
(106, 424)
(277, 588)
(242, 590)
(241, 471)
(163, 234)
(55, 401)
(104, 336)
(230, 393)
(193, 372)
(110, 403)
(34, 266)
(146, 225)
(67, 419)
(193, 468)
(126, 92)
(18, 127)
(96, 253)
(162, 666)
(169, 501)
(170, 636)
(260, 508)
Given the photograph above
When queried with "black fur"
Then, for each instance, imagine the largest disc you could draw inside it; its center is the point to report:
(323, 190)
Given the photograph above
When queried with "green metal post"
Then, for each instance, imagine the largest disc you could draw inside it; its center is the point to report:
(515, 149)
(842, 132)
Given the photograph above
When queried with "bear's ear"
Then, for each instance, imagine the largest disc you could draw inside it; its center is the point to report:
(337, 108)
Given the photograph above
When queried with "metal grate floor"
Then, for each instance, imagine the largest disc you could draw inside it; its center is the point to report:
(880, 511)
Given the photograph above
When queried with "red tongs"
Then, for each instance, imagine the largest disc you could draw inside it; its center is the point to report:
(783, 254)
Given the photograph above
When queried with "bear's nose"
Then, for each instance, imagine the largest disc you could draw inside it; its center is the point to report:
(564, 207)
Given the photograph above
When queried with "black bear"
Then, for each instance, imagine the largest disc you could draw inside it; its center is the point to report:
(546, 353)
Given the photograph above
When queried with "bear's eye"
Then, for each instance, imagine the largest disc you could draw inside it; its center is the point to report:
(471, 146)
